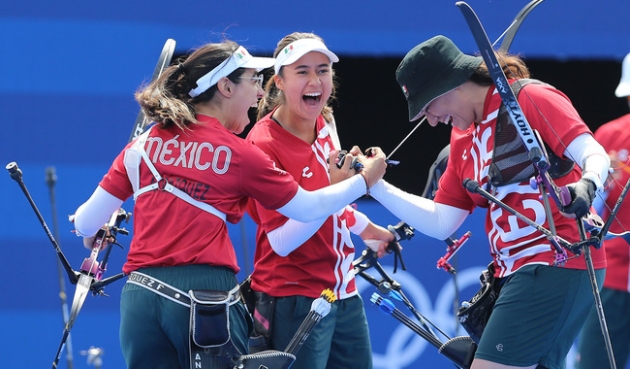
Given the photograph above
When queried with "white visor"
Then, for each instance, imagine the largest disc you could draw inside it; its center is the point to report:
(240, 59)
(299, 48)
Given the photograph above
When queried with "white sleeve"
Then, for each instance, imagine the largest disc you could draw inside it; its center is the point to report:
(307, 206)
(433, 219)
(362, 221)
(95, 212)
(586, 152)
(292, 234)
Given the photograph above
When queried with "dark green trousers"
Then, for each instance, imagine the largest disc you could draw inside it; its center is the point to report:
(341, 340)
(154, 331)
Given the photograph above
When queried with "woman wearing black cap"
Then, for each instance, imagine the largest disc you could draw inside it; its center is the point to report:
(542, 304)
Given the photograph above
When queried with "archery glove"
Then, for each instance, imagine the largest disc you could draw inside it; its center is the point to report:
(582, 196)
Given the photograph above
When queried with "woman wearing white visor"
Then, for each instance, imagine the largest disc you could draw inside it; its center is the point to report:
(189, 174)
(295, 261)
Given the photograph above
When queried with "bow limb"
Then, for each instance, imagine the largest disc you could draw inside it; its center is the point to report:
(510, 32)
(529, 137)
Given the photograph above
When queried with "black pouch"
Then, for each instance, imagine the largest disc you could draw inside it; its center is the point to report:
(210, 318)
(474, 314)
(210, 340)
(264, 308)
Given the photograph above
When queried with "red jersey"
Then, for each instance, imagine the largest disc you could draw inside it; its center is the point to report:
(614, 136)
(513, 243)
(210, 164)
(325, 259)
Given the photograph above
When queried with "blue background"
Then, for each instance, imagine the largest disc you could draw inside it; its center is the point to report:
(67, 75)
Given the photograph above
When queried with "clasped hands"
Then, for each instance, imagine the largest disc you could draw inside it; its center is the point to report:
(372, 162)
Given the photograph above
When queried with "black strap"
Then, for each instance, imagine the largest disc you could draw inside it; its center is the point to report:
(172, 293)
(510, 159)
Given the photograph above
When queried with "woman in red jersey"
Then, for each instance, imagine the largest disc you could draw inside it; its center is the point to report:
(189, 174)
(541, 305)
(295, 261)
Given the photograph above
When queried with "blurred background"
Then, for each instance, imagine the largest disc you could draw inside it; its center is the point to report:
(67, 77)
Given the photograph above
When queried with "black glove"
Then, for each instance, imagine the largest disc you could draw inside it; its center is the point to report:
(582, 196)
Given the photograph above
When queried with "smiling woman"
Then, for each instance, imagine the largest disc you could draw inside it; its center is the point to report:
(526, 264)
(295, 261)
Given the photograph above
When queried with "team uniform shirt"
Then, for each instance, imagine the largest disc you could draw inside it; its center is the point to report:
(212, 165)
(513, 243)
(615, 138)
(325, 259)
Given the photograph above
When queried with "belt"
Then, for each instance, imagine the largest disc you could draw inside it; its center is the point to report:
(173, 293)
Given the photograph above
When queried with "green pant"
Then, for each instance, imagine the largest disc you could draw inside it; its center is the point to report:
(341, 340)
(538, 315)
(154, 331)
(591, 348)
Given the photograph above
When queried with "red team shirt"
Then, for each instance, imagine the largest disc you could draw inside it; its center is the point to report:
(324, 260)
(513, 243)
(213, 166)
(615, 136)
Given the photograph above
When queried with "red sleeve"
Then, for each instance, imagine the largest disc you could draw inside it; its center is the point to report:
(271, 186)
(116, 181)
(551, 113)
(451, 191)
(266, 217)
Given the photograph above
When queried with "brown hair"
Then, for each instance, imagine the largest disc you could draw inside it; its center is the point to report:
(513, 67)
(274, 97)
(166, 100)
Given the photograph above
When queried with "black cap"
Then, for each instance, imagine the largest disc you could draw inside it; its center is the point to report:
(432, 69)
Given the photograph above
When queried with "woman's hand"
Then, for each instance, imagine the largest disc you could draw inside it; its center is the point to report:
(338, 174)
(88, 242)
(374, 165)
(377, 238)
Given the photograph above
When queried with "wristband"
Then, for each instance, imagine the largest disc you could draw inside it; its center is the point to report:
(594, 177)
(365, 178)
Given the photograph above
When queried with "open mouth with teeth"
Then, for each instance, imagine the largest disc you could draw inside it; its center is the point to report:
(447, 120)
(312, 99)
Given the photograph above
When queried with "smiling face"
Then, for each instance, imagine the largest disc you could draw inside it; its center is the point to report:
(307, 84)
(245, 95)
(450, 108)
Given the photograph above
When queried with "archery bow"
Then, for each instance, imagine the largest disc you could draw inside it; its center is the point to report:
(91, 270)
(534, 148)
(453, 245)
